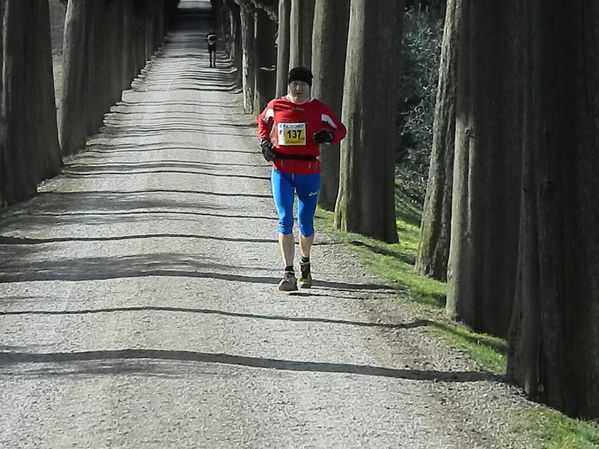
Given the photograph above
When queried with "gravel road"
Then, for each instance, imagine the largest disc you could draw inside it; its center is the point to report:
(138, 301)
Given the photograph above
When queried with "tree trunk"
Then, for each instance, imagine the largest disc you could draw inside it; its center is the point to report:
(331, 22)
(247, 33)
(94, 68)
(433, 251)
(366, 201)
(554, 335)
(486, 177)
(40, 101)
(283, 47)
(73, 122)
(300, 33)
(139, 26)
(237, 50)
(3, 114)
(265, 59)
(128, 69)
(18, 173)
(29, 150)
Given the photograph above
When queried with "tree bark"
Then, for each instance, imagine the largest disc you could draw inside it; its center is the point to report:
(40, 100)
(366, 201)
(237, 49)
(486, 177)
(300, 33)
(331, 22)
(29, 150)
(3, 114)
(283, 47)
(18, 173)
(229, 24)
(248, 67)
(554, 335)
(265, 59)
(128, 68)
(433, 251)
(73, 123)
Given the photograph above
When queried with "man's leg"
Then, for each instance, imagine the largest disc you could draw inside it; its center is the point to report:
(305, 244)
(287, 247)
(308, 187)
(283, 193)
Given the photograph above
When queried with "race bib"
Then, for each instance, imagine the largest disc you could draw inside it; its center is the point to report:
(292, 134)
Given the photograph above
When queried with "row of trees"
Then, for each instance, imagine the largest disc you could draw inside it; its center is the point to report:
(106, 43)
(511, 213)
(510, 218)
(357, 76)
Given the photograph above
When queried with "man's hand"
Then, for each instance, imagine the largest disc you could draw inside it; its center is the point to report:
(267, 150)
(323, 136)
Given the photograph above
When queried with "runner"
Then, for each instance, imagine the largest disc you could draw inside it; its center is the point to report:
(211, 39)
(301, 123)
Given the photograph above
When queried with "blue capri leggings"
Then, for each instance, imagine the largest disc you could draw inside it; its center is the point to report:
(307, 187)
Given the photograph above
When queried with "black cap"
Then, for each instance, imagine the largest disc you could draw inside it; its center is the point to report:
(300, 74)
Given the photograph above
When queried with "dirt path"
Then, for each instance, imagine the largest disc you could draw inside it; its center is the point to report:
(138, 306)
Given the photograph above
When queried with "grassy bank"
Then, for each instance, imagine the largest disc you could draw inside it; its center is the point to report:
(394, 264)
(550, 429)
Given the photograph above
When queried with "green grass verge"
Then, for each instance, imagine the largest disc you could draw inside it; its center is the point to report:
(394, 264)
(490, 352)
(550, 429)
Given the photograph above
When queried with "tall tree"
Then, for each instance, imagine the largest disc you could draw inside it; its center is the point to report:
(127, 64)
(29, 150)
(40, 98)
(248, 62)
(265, 59)
(554, 335)
(236, 48)
(329, 34)
(300, 33)
(283, 47)
(228, 22)
(73, 122)
(433, 251)
(485, 203)
(366, 200)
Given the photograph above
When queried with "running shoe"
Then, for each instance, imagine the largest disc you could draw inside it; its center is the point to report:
(288, 283)
(306, 278)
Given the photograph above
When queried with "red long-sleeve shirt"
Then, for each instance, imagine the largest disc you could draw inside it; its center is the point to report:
(294, 126)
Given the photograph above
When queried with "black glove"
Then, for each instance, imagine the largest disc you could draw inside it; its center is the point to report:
(267, 150)
(323, 136)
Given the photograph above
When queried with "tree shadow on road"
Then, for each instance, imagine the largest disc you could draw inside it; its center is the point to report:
(150, 362)
(291, 319)
(144, 265)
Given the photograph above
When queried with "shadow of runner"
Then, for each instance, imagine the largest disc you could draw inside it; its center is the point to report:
(8, 359)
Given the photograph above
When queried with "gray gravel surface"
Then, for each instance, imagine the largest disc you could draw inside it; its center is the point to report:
(138, 301)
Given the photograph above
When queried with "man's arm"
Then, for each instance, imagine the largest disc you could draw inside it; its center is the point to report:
(332, 123)
(265, 122)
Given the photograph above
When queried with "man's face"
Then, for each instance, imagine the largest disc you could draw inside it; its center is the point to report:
(299, 91)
